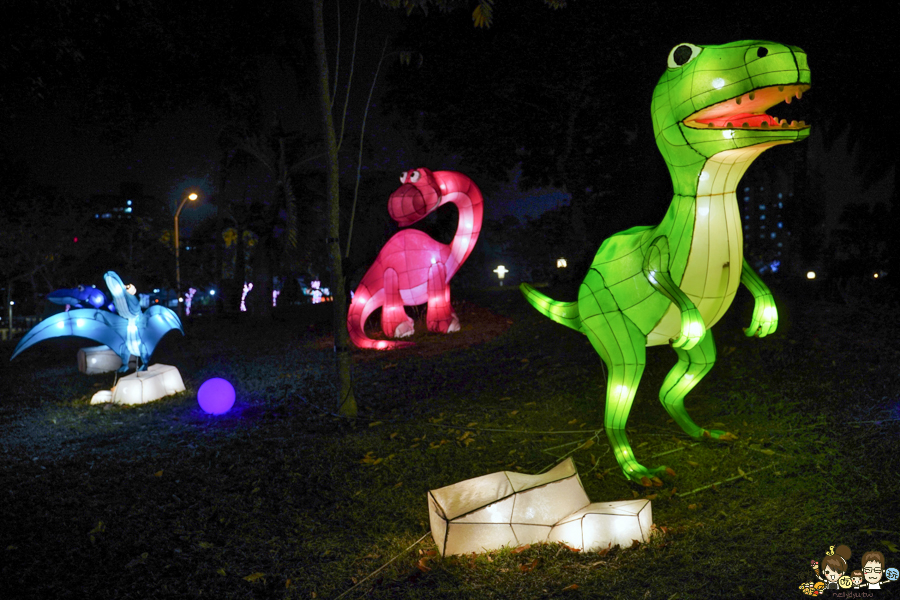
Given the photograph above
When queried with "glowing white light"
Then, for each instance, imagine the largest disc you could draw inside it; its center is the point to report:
(622, 389)
(688, 376)
(810, 274)
(703, 211)
(770, 312)
(132, 328)
(695, 329)
(433, 260)
(501, 271)
(704, 175)
(652, 276)
(561, 263)
(212, 292)
(93, 360)
(79, 322)
(718, 83)
(60, 325)
(728, 134)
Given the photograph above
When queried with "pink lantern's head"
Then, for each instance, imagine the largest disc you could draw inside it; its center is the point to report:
(416, 198)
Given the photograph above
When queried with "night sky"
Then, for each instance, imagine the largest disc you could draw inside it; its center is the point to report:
(847, 48)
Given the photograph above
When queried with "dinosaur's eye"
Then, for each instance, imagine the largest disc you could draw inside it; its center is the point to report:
(414, 177)
(682, 54)
(403, 177)
(761, 52)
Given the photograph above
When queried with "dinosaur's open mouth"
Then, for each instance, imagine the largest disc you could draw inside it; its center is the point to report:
(748, 111)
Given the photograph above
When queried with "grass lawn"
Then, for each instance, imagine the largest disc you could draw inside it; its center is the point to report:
(281, 499)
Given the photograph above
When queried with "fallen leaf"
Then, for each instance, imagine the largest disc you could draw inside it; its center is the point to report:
(587, 444)
(158, 474)
(692, 506)
(605, 551)
(376, 424)
(573, 421)
(693, 464)
(890, 545)
(571, 549)
(570, 588)
(393, 435)
(422, 566)
(513, 413)
(528, 567)
(521, 549)
(254, 576)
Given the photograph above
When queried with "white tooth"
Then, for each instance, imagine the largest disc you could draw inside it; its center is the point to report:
(788, 99)
(793, 124)
(799, 93)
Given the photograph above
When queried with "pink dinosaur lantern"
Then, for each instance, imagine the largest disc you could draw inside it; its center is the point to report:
(413, 268)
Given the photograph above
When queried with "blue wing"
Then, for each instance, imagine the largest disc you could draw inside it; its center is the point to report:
(90, 323)
(158, 321)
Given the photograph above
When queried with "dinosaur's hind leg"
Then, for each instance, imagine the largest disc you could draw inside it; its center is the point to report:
(440, 316)
(622, 346)
(691, 367)
(394, 320)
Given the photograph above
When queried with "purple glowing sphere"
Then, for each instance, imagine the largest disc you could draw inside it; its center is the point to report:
(216, 396)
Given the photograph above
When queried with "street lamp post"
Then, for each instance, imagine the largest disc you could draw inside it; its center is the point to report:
(192, 196)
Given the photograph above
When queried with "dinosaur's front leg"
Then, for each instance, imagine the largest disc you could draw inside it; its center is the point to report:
(621, 345)
(394, 320)
(691, 367)
(440, 316)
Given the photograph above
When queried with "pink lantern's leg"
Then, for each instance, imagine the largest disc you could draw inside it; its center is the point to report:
(440, 316)
(394, 320)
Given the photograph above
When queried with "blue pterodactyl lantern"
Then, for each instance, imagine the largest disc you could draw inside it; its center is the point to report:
(131, 332)
(78, 296)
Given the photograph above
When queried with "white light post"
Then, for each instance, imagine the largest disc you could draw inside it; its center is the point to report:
(192, 196)
(501, 271)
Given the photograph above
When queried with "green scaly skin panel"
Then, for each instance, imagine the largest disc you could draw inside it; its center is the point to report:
(669, 283)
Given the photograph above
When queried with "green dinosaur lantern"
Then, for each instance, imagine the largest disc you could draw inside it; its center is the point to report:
(669, 283)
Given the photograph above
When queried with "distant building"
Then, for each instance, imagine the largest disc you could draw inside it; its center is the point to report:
(764, 197)
(119, 206)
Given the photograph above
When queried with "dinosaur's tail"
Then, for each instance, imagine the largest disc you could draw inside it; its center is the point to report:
(363, 305)
(564, 313)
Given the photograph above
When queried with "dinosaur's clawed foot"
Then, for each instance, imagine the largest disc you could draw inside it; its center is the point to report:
(646, 477)
(718, 434)
(405, 329)
(454, 325)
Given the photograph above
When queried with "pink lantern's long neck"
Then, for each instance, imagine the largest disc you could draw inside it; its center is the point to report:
(458, 189)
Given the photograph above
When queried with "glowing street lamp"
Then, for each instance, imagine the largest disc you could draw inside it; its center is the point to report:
(501, 272)
(192, 196)
(561, 263)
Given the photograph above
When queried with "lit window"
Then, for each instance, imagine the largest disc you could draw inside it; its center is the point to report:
(128, 202)
(780, 225)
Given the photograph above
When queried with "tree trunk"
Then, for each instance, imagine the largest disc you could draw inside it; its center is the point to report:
(346, 403)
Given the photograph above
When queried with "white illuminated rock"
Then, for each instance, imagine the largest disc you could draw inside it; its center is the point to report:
(158, 381)
(98, 359)
(602, 524)
(513, 509)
